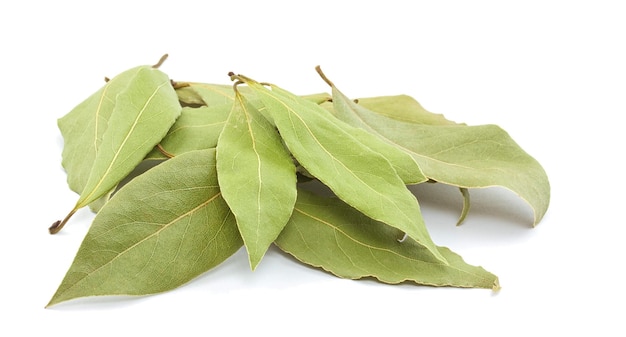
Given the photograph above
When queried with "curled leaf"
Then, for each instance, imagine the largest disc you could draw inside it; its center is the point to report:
(459, 155)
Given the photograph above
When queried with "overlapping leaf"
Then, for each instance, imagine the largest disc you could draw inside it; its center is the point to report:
(159, 231)
(142, 114)
(326, 148)
(464, 156)
(327, 233)
(257, 177)
(82, 129)
(195, 129)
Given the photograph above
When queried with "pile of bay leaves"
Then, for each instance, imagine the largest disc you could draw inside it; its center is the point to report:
(231, 165)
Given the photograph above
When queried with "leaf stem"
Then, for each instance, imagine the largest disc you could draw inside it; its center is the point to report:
(323, 76)
(163, 151)
(58, 225)
(161, 60)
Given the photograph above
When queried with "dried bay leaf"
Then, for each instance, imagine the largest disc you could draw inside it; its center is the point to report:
(159, 231)
(464, 156)
(325, 232)
(82, 129)
(195, 129)
(404, 108)
(257, 177)
(142, 114)
(326, 148)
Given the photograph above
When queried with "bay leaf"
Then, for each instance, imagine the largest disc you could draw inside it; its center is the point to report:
(159, 231)
(464, 156)
(327, 149)
(217, 94)
(82, 129)
(188, 97)
(195, 129)
(142, 114)
(404, 108)
(404, 164)
(326, 233)
(257, 177)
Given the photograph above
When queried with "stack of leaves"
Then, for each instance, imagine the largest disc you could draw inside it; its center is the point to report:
(231, 166)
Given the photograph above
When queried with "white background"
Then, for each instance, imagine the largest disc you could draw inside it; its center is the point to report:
(551, 73)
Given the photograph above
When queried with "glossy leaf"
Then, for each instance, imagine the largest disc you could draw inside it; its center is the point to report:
(257, 177)
(327, 233)
(464, 156)
(326, 148)
(159, 231)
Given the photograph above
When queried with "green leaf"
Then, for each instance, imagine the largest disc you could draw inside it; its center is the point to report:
(159, 231)
(195, 129)
(217, 94)
(404, 164)
(142, 114)
(324, 232)
(404, 108)
(257, 177)
(464, 156)
(327, 149)
(82, 129)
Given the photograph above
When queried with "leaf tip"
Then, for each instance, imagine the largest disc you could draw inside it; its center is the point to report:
(496, 286)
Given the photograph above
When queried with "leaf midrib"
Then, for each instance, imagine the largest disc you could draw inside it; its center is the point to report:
(128, 134)
(157, 232)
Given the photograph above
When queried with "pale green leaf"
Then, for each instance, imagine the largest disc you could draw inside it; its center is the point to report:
(195, 129)
(327, 149)
(327, 233)
(217, 94)
(464, 156)
(257, 177)
(159, 231)
(404, 108)
(142, 115)
(404, 164)
(188, 97)
(82, 129)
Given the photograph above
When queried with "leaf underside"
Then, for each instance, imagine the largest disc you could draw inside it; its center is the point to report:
(325, 232)
(459, 155)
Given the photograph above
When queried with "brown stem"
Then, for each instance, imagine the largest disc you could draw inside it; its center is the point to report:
(58, 225)
(163, 151)
(319, 71)
(163, 58)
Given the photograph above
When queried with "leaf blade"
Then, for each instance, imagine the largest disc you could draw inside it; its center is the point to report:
(142, 243)
(464, 156)
(358, 175)
(143, 114)
(257, 177)
(328, 234)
